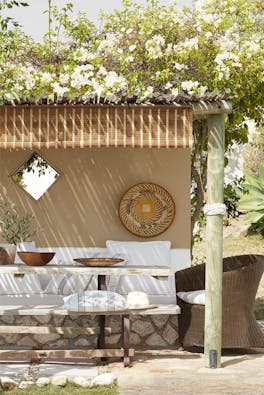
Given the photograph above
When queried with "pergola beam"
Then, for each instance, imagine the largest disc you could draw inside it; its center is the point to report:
(205, 108)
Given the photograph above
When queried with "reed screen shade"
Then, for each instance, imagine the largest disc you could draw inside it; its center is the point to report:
(78, 126)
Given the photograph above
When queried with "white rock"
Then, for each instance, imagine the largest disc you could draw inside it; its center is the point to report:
(25, 384)
(103, 379)
(7, 383)
(59, 380)
(42, 381)
(82, 381)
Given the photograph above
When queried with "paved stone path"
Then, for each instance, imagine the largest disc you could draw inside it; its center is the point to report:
(31, 372)
(179, 372)
(162, 372)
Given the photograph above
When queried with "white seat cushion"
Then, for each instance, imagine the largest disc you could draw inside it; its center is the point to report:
(31, 300)
(152, 253)
(193, 297)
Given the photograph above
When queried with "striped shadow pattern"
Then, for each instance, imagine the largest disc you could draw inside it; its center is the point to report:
(79, 126)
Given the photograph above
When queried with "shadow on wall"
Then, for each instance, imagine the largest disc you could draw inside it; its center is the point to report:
(81, 208)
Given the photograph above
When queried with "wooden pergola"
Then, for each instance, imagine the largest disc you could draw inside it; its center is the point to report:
(159, 125)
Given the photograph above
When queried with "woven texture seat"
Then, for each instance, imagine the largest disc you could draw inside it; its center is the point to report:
(241, 277)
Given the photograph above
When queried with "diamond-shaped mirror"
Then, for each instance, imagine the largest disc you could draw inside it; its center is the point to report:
(35, 176)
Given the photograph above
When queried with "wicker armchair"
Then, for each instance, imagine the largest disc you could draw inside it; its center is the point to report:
(241, 277)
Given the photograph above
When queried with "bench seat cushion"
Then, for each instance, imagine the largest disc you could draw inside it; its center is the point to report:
(31, 300)
(193, 297)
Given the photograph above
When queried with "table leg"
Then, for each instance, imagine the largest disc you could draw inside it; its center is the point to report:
(125, 338)
(101, 338)
(101, 286)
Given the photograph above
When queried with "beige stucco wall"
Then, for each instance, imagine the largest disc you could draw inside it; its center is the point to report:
(81, 208)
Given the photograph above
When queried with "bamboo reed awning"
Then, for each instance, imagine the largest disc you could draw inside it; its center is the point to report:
(79, 126)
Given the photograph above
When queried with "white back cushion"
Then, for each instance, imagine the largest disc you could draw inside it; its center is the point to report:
(66, 284)
(154, 253)
(151, 254)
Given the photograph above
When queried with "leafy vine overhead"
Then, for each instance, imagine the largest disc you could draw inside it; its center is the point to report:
(142, 51)
(216, 46)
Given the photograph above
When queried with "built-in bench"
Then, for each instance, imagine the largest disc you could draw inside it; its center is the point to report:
(53, 287)
(100, 352)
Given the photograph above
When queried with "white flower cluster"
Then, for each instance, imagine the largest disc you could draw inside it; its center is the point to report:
(91, 80)
(154, 46)
(224, 69)
(146, 92)
(83, 54)
(59, 90)
(251, 47)
(190, 44)
(27, 76)
(46, 78)
(110, 43)
(180, 66)
(114, 82)
(191, 87)
(234, 169)
(81, 76)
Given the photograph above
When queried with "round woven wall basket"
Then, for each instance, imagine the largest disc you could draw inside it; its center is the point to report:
(146, 209)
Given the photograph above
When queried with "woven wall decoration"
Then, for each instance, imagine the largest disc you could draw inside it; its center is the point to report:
(146, 209)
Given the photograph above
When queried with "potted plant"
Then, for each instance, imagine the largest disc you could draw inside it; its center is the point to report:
(14, 228)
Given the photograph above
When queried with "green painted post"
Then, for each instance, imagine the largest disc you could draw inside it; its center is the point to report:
(214, 242)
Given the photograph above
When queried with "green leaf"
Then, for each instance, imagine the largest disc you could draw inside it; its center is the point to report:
(249, 204)
(261, 170)
(252, 180)
(254, 217)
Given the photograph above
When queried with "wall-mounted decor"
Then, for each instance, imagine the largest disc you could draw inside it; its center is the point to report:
(35, 175)
(146, 209)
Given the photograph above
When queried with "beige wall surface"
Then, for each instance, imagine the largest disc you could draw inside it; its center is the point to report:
(81, 208)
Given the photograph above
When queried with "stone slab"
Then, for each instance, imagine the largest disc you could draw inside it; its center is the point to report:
(87, 371)
(14, 369)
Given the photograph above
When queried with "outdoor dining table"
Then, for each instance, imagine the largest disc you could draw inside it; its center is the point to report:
(159, 272)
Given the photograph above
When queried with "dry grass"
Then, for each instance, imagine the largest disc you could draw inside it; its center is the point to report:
(237, 245)
(233, 245)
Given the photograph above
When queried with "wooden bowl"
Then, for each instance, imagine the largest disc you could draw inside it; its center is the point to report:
(36, 258)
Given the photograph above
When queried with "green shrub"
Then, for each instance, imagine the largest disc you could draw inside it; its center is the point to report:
(231, 198)
(252, 202)
(14, 227)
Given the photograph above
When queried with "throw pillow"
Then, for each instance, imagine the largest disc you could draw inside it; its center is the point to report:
(94, 301)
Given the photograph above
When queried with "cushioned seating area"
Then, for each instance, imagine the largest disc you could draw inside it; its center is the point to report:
(138, 253)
